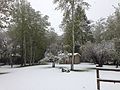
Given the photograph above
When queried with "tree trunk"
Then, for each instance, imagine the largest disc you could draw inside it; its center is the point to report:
(31, 51)
(34, 54)
(11, 61)
(24, 46)
(117, 63)
(73, 44)
(53, 64)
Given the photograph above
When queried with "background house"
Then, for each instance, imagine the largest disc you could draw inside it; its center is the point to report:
(68, 60)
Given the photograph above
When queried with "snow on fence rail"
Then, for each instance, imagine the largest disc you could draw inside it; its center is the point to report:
(105, 80)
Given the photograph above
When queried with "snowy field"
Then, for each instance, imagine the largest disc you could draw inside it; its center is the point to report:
(43, 77)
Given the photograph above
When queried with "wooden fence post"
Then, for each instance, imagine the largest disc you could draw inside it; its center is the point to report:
(105, 80)
(98, 82)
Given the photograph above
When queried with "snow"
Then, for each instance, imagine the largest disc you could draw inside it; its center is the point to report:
(70, 54)
(44, 77)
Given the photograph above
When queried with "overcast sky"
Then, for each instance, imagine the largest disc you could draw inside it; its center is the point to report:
(99, 9)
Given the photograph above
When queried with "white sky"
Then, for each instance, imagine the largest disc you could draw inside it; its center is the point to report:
(99, 9)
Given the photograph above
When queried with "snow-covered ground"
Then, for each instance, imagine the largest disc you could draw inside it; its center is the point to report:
(43, 77)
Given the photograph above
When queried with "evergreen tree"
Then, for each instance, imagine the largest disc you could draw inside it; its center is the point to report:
(28, 29)
(69, 7)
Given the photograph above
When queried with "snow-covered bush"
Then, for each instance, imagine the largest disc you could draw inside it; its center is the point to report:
(63, 56)
(101, 53)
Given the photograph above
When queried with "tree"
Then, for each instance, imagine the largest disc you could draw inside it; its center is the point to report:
(112, 31)
(54, 46)
(98, 53)
(6, 7)
(82, 28)
(110, 28)
(106, 31)
(69, 7)
(98, 30)
(117, 54)
(4, 47)
(28, 30)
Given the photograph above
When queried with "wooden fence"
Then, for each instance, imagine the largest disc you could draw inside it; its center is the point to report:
(105, 80)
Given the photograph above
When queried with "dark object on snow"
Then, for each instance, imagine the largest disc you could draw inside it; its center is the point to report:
(65, 70)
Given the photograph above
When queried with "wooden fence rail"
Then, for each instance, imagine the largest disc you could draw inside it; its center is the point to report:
(105, 80)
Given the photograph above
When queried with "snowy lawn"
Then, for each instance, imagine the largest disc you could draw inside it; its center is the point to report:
(43, 77)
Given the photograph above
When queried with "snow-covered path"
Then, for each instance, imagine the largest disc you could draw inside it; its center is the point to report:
(46, 78)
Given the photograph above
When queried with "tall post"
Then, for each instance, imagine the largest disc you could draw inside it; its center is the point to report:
(73, 42)
(98, 82)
